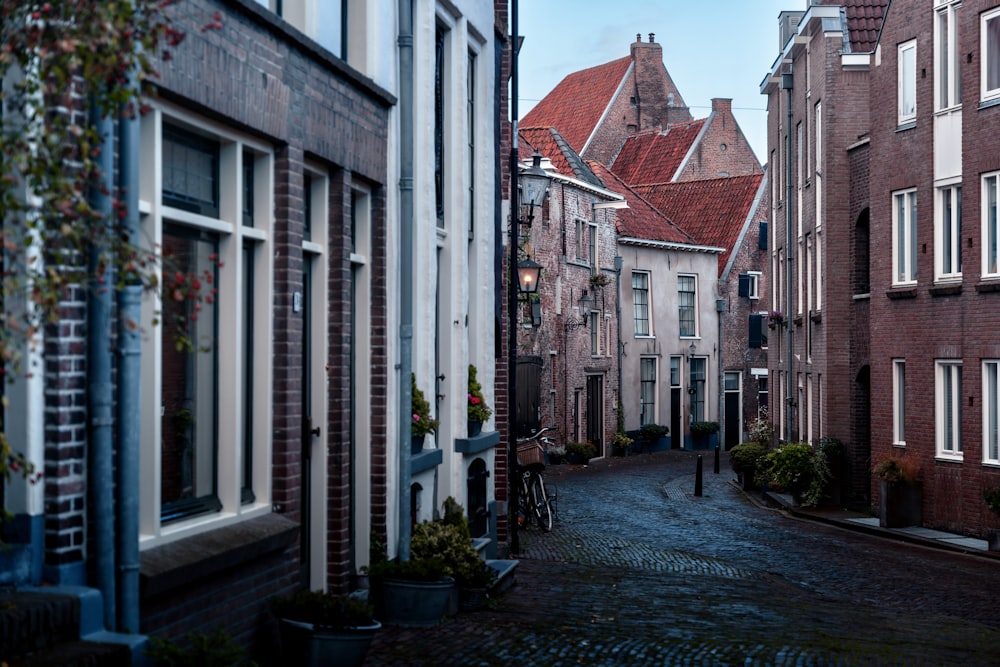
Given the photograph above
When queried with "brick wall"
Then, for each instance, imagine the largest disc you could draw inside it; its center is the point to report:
(722, 150)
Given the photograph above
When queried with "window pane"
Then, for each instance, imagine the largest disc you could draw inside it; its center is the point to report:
(992, 421)
(907, 82)
(640, 296)
(189, 363)
(685, 297)
(697, 382)
(246, 387)
(647, 391)
(992, 34)
(991, 223)
(330, 26)
(190, 172)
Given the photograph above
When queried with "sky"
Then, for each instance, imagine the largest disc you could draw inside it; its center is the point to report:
(713, 48)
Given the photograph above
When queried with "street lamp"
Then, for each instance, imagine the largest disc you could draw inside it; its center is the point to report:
(533, 182)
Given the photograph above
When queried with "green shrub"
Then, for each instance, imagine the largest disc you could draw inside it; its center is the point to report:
(204, 650)
(653, 431)
(789, 468)
(746, 457)
(585, 450)
(323, 609)
(704, 428)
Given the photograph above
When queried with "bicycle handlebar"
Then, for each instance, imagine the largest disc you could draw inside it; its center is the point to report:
(536, 434)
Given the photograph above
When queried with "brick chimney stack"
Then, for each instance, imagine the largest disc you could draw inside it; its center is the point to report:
(658, 103)
(722, 105)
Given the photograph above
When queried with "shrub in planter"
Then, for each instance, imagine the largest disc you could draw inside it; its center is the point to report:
(745, 458)
(653, 432)
(704, 429)
(900, 493)
(760, 430)
(580, 452)
(621, 443)
(211, 650)
(788, 469)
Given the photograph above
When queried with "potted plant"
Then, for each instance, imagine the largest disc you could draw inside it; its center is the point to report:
(759, 429)
(479, 411)
(701, 433)
(900, 497)
(599, 280)
(580, 452)
(621, 443)
(744, 459)
(422, 423)
(319, 628)
(653, 435)
(555, 454)
(991, 495)
(413, 592)
(788, 469)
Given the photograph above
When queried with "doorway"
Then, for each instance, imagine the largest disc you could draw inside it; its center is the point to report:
(733, 409)
(595, 412)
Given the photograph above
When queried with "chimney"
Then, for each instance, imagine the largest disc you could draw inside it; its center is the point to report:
(638, 37)
(722, 105)
(651, 36)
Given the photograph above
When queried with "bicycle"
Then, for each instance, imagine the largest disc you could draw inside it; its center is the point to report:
(534, 500)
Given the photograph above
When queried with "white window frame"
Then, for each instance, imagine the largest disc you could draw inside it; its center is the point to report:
(904, 237)
(989, 66)
(694, 279)
(232, 235)
(991, 411)
(754, 286)
(906, 87)
(947, 75)
(644, 364)
(648, 333)
(948, 401)
(991, 224)
(948, 231)
(899, 402)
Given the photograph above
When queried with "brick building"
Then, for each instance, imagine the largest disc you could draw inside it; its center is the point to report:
(818, 92)
(273, 158)
(934, 165)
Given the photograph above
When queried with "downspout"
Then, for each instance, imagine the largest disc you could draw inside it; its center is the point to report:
(405, 43)
(129, 380)
(100, 459)
(513, 469)
(619, 263)
(786, 83)
(720, 310)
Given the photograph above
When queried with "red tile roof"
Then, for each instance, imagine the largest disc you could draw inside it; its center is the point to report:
(549, 143)
(640, 219)
(712, 211)
(864, 22)
(654, 157)
(576, 105)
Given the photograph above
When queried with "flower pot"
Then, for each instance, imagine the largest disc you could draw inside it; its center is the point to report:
(554, 458)
(416, 444)
(900, 504)
(475, 427)
(471, 599)
(311, 646)
(415, 603)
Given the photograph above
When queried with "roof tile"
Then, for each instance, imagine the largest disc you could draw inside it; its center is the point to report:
(640, 219)
(654, 157)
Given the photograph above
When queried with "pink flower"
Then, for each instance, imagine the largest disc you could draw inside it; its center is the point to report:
(416, 417)
(474, 400)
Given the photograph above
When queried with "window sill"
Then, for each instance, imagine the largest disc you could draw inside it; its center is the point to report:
(992, 102)
(908, 125)
(948, 458)
(798, 319)
(208, 554)
(902, 293)
(945, 289)
(577, 262)
(425, 460)
(816, 316)
(479, 443)
(990, 286)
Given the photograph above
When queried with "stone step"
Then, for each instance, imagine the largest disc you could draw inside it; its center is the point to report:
(78, 653)
(505, 574)
(481, 545)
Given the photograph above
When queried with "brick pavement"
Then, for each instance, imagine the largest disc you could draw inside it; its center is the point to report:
(634, 574)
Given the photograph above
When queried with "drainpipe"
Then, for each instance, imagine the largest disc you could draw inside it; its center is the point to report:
(619, 263)
(786, 83)
(100, 464)
(129, 383)
(405, 42)
(720, 309)
(513, 469)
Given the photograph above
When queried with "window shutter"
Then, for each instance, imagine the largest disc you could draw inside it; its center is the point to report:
(744, 285)
(762, 241)
(756, 329)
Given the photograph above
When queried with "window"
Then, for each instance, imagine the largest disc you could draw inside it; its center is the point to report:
(205, 419)
(581, 241)
(818, 193)
(907, 88)
(686, 305)
(757, 337)
(904, 237)
(899, 402)
(323, 20)
(470, 119)
(991, 231)
(991, 412)
(647, 391)
(948, 232)
(948, 88)
(439, 147)
(989, 35)
(696, 381)
(640, 302)
(595, 332)
(592, 246)
(949, 409)
(749, 285)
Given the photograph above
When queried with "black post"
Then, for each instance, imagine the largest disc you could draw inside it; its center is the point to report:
(716, 471)
(697, 479)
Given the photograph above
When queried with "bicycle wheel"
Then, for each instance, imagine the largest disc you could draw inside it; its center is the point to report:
(543, 511)
(523, 515)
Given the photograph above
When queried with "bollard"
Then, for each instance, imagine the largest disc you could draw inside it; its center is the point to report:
(716, 471)
(697, 479)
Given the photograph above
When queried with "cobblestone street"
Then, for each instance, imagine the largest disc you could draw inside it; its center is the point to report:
(640, 571)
